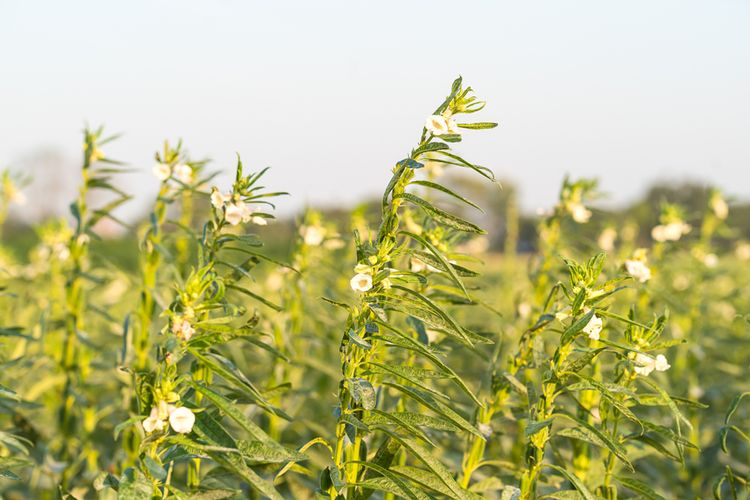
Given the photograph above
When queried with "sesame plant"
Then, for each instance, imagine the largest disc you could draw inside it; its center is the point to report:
(388, 367)
(391, 350)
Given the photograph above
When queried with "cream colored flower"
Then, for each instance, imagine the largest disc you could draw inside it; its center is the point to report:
(218, 200)
(259, 221)
(438, 125)
(593, 328)
(607, 239)
(162, 171)
(182, 328)
(638, 270)
(182, 420)
(234, 213)
(743, 251)
(579, 212)
(153, 422)
(312, 235)
(670, 232)
(361, 282)
(452, 126)
(711, 260)
(184, 173)
(719, 207)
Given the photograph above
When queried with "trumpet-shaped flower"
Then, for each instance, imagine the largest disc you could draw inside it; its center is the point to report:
(312, 235)
(441, 125)
(607, 239)
(361, 282)
(579, 212)
(593, 328)
(162, 171)
(218, 199)
(236, 212)
(182, 420)
(184, 173)
(153, 422)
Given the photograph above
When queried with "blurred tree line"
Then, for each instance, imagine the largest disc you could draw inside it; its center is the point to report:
(509, 229)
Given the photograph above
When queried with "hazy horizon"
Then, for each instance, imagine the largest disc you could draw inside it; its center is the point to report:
(331, 95)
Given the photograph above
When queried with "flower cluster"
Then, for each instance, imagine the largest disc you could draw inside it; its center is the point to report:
(181, 171)
(180, 419)
(672, 226)
(235, 210)
(645, 364)
(636, 266)
(182, 328)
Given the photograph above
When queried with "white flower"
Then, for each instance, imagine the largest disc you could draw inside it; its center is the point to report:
(607, 239)
(361, 282)
(153, 422)
(182, 420)
(417, 265)
(593, 328)
(162, 171)
(438, 125)
(743, 251)
(646, 364)
(260, 221)
(312, 235)
(218, 200)
(235, 212)
(524, 310)
(638, 270)
(720, 207)
(711, 260)
(182, 329)
(184, 173)
(670, 232)
(579, 212)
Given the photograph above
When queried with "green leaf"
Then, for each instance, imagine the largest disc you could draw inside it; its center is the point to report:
(587, 432)
(362, 392)
(442, 216)
(577, 483)
(438, 407)
(477, 125)
(638, 487)
(449, 192)
(444, 264)
(433, 464)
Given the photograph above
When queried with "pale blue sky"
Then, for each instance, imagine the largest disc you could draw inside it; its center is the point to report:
(330, 94)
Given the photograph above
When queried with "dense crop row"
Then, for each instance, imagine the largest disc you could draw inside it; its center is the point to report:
(380, 365)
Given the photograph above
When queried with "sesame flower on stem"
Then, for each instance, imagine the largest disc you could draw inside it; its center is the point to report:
(218, 199)
(183, 173)
(593, 328)
(182, 420)
(153, 422)
(162, 171)
(312, 235)
(636, 266)
(361, 282)
(645, 364)
(235, 212)
(182, 328)
(441, 125)
(579, 213)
